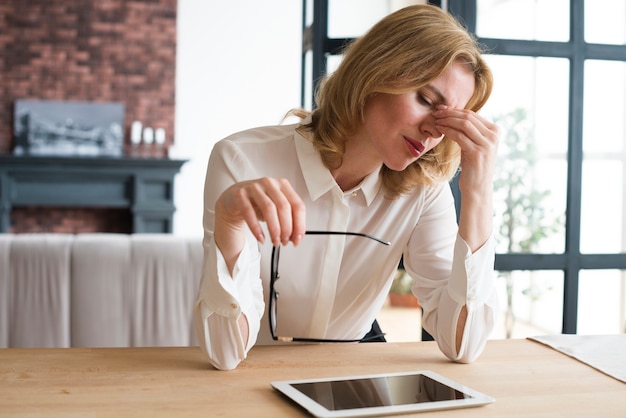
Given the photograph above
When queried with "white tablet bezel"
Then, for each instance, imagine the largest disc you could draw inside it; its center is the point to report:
(286, 388)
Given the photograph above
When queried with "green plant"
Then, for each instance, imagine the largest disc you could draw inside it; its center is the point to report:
(402, 283)
(524, 220)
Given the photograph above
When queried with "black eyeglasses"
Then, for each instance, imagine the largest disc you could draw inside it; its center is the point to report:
(273, 310)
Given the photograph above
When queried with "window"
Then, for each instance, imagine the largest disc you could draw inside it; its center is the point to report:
(327, 26)
(560, 99)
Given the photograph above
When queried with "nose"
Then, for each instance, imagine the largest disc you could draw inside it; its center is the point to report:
(428, 127)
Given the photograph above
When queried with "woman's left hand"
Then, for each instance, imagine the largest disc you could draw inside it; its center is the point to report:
(478, 139)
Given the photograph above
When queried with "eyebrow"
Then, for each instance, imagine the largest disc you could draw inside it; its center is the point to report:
(441, 99)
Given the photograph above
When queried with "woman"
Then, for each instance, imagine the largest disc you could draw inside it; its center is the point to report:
(393, 124)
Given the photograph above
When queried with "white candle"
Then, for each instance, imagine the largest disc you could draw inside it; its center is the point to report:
(148, 135)
(159, 136)
(135, 133)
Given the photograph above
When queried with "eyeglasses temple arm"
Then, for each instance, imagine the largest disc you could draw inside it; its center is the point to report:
(356, 234)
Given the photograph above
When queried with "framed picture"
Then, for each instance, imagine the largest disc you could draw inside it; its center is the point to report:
(68, 128)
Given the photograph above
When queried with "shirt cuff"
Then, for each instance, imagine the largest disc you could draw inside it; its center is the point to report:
(245, 289)
(226, 293)
(472, 276)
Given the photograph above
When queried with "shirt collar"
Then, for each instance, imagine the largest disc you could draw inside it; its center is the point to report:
(318, 178)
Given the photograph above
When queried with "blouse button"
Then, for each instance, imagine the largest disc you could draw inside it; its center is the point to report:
(234, 305)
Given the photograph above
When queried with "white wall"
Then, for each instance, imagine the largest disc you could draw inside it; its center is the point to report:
(237, 66)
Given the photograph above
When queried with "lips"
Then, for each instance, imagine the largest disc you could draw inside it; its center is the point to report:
(415, 148)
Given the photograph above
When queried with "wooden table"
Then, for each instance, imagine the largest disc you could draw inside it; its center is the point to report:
(526, 378)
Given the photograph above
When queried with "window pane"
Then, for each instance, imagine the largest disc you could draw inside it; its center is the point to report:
(604, 138)
(332, 62)
(605, 100)
(543, 20)
(605, 22)
(352, 18)
(529, 104)
(601, 296)
(308, 80)
(308, 12)
(531, 303)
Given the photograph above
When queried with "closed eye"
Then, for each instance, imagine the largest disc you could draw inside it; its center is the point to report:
(425, 101)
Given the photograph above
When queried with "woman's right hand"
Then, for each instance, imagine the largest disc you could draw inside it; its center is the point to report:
(251, 202)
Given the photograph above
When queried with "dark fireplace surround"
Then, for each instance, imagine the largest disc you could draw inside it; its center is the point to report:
(121, 51)
(71, 155)
(135, 194)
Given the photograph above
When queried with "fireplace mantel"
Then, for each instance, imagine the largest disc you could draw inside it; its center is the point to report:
(145, 186)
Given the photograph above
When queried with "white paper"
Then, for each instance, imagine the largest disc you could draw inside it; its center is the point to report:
(606, 353)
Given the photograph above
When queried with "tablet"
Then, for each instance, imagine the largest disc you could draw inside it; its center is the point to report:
(379, 394)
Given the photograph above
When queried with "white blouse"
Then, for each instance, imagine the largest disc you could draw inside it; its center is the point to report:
(333, 287)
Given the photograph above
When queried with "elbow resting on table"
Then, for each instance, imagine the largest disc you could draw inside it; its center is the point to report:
(463, 355)
(224, 353)
(468, 341)
(222, 363)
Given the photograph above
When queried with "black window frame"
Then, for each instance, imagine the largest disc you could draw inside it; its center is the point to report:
(577, 51)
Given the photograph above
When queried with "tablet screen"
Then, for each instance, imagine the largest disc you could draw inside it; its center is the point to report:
(377, 391)
(355, 396)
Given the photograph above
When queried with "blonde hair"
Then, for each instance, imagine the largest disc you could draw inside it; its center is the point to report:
(403, 52)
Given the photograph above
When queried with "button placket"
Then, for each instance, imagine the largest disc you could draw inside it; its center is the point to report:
(330, 270)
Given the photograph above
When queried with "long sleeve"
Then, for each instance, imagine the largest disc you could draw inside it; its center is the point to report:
(223, 297)
(221, 300)
(447, 276)
(333, 286)
(471, 284)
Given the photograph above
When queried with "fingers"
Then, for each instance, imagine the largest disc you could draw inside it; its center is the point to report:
(268, 200)
(466, 127)
(297, 214)
(478, 139)
(282, 210)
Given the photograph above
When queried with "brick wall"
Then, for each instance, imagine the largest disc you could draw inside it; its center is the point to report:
(89, 50)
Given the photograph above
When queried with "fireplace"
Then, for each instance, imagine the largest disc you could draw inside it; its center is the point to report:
(118, 194)
(69, 220)
(69, 173)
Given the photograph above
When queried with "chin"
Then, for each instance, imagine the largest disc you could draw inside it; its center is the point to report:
(399, 166)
